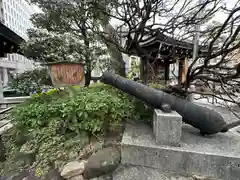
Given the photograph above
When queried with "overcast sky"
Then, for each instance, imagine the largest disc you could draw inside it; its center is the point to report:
(219, 16)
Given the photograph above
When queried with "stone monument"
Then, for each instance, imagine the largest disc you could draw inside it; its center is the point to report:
(167, 127)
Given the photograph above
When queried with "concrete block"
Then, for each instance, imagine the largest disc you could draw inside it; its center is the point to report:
(167, 127)
(216, 156)
(144, 173)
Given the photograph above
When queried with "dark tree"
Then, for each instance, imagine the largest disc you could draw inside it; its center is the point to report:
(214, 67)
(65, 31)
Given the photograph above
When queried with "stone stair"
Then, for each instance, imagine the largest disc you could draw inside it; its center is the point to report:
(5, 123)
(4, 126)
(216, 156)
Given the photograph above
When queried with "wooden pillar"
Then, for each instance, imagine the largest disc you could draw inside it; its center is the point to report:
(180, 68)
(166, 72)
(145, 71)
(183, 68)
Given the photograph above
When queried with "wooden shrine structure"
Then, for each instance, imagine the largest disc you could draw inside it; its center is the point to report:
(157, 51)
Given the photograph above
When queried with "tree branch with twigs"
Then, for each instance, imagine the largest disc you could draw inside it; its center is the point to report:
(138, 20)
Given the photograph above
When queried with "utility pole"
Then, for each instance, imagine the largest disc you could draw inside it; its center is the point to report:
(196, 36)
(196, 42)
(195, 50)
(1, 84)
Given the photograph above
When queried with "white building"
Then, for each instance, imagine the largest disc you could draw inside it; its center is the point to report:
(15, 14)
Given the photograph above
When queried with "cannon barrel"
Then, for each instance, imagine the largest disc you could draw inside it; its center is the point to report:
(202, 118)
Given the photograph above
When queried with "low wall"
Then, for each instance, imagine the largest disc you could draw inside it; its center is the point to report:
(11, 101)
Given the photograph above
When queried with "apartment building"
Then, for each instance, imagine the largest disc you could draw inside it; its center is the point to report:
(15, 15)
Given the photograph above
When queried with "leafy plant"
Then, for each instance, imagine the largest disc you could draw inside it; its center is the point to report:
(159, 85)
(134, 70)
(28, 80)
(54, 125)
(69, 31)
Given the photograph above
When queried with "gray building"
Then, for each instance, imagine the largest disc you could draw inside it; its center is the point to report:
(15, 15)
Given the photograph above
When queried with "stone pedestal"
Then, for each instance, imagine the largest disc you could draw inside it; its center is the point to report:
(167, 127)
(214, 157)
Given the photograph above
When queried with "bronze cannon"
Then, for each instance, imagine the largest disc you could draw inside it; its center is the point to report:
(202, 118)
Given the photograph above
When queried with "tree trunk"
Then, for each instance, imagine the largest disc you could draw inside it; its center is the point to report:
(115, 53)
(87, 60)
(122, 70)
(88, 74)
(118, 64)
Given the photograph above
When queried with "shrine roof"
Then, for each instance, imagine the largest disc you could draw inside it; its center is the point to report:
(156, 38)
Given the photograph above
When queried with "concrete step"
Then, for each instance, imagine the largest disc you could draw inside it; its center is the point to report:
(4, 126)
(216, 156)
(145, 173)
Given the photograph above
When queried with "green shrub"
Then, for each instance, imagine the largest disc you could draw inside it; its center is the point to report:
(87, 111)
(52, 124)
(55, 126)
(35, 79)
